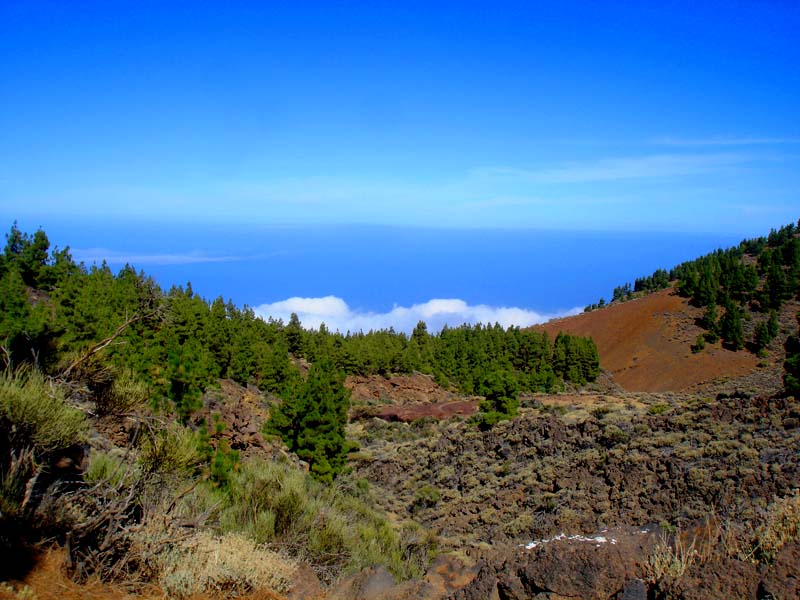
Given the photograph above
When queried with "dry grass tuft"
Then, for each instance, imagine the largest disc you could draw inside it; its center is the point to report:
(780, 527)
(758, 541)
(231, 565)
(38, 414)
(48, 581)
(671, 560)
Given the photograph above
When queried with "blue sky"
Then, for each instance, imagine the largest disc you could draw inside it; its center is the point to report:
(673, 116)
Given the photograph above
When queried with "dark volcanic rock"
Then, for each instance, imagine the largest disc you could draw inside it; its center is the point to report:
(540, 474)
(600, 567)
(370, 584)
(408, 413)
(722, 580)
(634, 590)
(782, 580)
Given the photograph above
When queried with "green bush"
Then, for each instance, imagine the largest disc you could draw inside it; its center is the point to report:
(170, 450)
(326, 526)
(613, 435)
(107, 466)
(37, 415)
(658, 409)
(127, 394)
(426, 496)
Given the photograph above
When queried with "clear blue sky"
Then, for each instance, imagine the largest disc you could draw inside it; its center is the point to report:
(678, 116)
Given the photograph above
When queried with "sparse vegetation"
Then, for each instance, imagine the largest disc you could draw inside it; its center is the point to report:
(780, 526)
(176, 495)
(333, 531)
(229, 565)
(758, 276)
(791, 367)
(36, 414)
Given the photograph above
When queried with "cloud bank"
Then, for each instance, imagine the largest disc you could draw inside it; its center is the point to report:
(116, 257)
(338, 316)
(656, 166)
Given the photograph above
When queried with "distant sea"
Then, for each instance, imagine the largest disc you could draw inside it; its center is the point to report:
(374, 268)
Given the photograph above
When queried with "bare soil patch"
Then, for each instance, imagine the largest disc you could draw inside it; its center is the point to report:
(396, 389)
(645, 344)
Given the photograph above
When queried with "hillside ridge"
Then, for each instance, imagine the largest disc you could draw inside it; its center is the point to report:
(645, 345)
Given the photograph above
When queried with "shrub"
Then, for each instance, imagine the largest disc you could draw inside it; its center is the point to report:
(14, 479)
(781, 526)
(658, 409)
(107, 466)
(327, 527)
(426, 496)
(115, 391)
(230, 565)
(613, 435)
(169, 450)
(36, 415)
(670, 560)
(127, 394)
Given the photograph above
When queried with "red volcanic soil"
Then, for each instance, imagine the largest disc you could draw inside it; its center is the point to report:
(439, 410)
(397, 389)
(416, 410)
(645, 344)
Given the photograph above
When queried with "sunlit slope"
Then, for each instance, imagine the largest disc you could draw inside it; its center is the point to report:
(645, 344)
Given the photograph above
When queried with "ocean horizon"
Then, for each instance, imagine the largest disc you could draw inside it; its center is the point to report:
(364, 276)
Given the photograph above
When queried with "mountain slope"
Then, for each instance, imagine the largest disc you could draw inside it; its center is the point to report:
(645, 345)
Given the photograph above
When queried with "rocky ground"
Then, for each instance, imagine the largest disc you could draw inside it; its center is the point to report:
(605, 484)
(598, 493)
(562, 467)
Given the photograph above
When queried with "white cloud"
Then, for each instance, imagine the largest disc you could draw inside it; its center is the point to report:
(327, 306)
(338, 316)
(724, 141)
(116, 257)
(613, 169)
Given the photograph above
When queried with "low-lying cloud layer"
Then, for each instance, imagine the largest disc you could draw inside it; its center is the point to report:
(116, 257)
(337, 315)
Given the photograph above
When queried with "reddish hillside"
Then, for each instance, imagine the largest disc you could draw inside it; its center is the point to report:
(645, 344)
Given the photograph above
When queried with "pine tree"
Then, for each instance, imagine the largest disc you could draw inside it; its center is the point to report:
(761, 337)
(218, 335)
(500, 390)
(14, 314)
(29, 254)
(791, 367)
(707, 286)
(710, 323)
(312, 421)
(294, 335)
(772, 324)
(730, 325)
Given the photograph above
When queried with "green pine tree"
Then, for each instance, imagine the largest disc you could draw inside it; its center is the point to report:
(500, 390)
(312, 421)
(730, 325)
(791, 367)
(710, 323)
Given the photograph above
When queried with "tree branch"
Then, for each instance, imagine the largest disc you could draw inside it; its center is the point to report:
(102, 344)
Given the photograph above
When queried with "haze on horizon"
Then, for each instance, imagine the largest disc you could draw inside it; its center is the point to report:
(566, 116)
